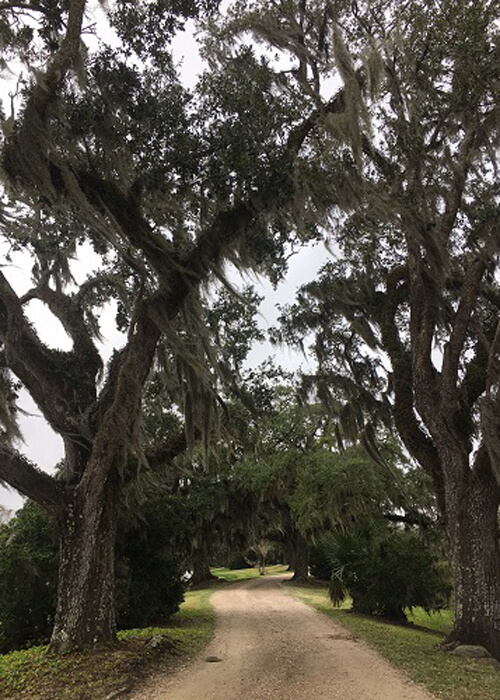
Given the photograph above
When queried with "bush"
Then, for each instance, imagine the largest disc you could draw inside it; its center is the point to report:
(148, 575)
(321, 559)
(29, 561)
(149, 587)
(385, 569)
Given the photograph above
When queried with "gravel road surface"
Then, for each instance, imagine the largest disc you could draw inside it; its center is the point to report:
(269, 645)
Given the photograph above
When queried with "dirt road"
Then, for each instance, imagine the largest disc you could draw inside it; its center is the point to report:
(269, 645)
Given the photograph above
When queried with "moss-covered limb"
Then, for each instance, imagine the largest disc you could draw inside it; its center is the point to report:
(25, 154)
(70, 312)
(59, 382)
(416, 440)
(117, 411)
(19, 472)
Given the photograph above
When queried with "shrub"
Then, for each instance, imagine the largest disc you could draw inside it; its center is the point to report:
(148, 575)
(385, 569)
(149, 587)
(321, 559)
(29, 560)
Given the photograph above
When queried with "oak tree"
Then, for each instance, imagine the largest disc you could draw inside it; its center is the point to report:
(105, 150)
(405, 317)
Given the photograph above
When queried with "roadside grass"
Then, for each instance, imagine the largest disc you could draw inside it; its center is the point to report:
(34, 673)
(242, 574)
(413, 649)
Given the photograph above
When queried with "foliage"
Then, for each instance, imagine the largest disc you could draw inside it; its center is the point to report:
(376, 124)
(149, 586)
(29, 558)
(384, 568)
(5, 515)
(106, 152)
(404, 318)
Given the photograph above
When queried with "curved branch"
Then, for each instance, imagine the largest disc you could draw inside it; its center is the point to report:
(68, 310)
(60, 385)
(419, 445)
(17, 471)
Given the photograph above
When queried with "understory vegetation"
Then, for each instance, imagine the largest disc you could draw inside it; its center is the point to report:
(36, 673)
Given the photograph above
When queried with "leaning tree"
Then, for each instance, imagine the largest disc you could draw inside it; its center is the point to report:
(104, 150)
(406, 316)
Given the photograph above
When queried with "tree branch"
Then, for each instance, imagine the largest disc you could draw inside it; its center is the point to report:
(60, 385)
(19, 472)
(21, 6)
(455, 194)
(121, 408)
(419, 445)
(68, 310)
(26, 153)
(455, 344)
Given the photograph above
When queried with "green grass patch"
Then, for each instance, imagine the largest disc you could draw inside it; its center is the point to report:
(414, 650)
(34, 673)
(242, 574)
(441, 621)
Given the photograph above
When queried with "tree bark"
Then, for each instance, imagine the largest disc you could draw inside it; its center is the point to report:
(201, 566)
(301, 559)
(290, 555)
(85, 615)
(473, 529)
(468, 494)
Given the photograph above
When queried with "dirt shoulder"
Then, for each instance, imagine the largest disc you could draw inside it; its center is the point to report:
(270, 645)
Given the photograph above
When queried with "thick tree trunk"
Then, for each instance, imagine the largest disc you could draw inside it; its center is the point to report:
(201, 567)
(290, 555)
(85, 615)
(301, 559)
(472, 522)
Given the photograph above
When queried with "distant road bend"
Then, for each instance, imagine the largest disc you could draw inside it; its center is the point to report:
(269, 645)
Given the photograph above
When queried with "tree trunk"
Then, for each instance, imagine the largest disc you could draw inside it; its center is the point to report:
(290, 555)
(472, 522)
(301, 559)
(85, 615)
(201, 567)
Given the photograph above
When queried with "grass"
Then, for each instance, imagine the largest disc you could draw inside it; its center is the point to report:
(34, 673)
(242, 574)
(414, 650)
